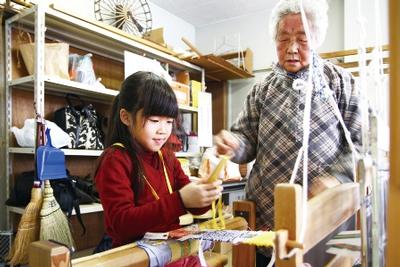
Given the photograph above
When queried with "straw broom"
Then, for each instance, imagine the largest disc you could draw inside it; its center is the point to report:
(28, 228)
(53, 222)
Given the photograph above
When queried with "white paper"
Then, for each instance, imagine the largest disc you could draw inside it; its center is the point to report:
(134, 63)
(205, 120)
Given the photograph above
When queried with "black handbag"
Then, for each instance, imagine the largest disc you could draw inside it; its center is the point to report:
(81, 122)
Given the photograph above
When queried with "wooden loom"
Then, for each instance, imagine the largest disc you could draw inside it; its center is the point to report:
(49, 254)
(325, 213)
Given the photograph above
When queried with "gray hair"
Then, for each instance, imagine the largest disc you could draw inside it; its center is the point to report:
(316, 13)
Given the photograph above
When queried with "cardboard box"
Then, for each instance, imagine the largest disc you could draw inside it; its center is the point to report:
(183, 77)
(156, 36)
(182, 92)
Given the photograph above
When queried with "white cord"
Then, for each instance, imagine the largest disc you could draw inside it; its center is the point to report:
(363, 82)
(296, 166)
(272, 261)
(306, 124)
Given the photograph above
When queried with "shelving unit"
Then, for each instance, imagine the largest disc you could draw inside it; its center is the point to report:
(83, 35)
(82, 152)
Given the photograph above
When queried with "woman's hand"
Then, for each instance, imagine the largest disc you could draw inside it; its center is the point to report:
(200, 194)
(226, 143)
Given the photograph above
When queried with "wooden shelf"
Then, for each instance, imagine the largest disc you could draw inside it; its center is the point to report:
(188, 109)
(218, 69)
(61, 86)
(67, 152)
(97, 37)
(85, 152)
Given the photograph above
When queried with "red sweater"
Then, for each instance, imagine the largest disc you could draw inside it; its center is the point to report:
(127, 221)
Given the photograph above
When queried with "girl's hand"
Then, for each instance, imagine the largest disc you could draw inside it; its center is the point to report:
(226, 143)
(200, 194)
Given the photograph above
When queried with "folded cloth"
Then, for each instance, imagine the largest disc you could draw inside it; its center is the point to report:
(160, 253)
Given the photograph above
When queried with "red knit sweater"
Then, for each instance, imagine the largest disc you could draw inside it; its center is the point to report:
(127, 221)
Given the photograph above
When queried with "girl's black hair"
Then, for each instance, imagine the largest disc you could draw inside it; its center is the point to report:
(141, 90)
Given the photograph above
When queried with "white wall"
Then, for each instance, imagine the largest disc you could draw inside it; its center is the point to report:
(371, 18)
(174, 27)
(253, 30)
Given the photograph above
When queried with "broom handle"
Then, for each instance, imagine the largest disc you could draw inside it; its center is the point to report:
(40, 141)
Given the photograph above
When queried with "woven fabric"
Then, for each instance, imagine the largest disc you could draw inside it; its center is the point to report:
(270, 128)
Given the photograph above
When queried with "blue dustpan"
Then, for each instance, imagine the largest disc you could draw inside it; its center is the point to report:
(50, 161)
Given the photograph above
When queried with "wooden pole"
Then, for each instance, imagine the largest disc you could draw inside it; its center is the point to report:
(392, 255)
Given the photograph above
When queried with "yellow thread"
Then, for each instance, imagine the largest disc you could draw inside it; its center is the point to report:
(265, 239)
(213, 177)
(165, 172)
(215, 174)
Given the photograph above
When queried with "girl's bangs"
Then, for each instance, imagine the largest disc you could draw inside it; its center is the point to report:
(160, 103)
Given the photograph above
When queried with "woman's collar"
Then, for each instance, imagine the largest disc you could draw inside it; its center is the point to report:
(318, 72)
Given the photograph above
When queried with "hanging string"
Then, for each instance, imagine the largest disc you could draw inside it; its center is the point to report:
(377, 54)
(362, 58)
(306, 123)
(301, 85)
(296, 166)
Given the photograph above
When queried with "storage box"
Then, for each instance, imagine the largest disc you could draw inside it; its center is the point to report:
(183, 77)
(156, 36)
(182, 92)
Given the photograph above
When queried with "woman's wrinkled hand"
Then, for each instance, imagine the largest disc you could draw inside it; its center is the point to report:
(200, 194)
(226, 143)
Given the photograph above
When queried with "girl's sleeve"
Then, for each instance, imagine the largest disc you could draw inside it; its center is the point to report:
(127, 220)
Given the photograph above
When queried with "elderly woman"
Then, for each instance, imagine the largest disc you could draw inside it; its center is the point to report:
(269, 129)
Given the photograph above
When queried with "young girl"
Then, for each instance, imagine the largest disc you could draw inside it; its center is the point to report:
(140, 182)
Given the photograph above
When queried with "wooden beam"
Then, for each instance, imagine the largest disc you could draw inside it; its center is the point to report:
(350, 52)
(244, 255)
(325, 212)
(288, 216)
(354, 64)
(247, 58)
(219, 95)
(46, 253)
(340, 261)
(328, 210)
(192, 47)
(356, 73)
